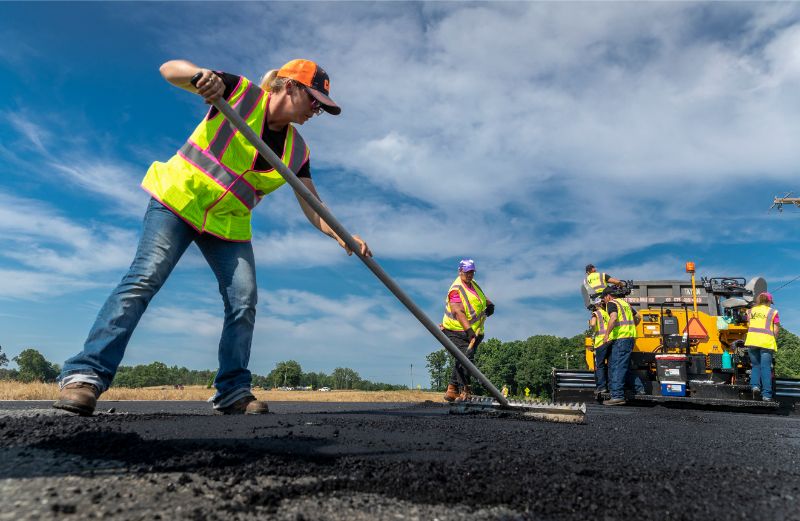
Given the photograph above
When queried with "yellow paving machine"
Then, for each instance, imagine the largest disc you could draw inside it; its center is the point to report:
(689, 347)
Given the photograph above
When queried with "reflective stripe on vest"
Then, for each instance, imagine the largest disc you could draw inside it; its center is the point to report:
(625, 326)
(211, 182)
(601, 323)
(596, 282)
(474, 308)
(760, 331)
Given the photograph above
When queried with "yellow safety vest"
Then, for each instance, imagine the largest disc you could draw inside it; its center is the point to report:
(595, 283)
(625, 326)
(211, 182)
(601, 323)
(474, 307)
(761, 329)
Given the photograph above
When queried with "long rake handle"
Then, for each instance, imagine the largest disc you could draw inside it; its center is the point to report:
(340, 230)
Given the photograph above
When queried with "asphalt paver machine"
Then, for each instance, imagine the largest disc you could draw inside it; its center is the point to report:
(689, 346)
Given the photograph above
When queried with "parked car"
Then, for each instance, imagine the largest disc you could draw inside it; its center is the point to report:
(325, 389)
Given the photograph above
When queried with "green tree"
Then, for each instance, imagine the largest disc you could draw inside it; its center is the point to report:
(3, 358)
(34, 367)
(286, 373)
(787, 358)
(439, 364)
(344, 378)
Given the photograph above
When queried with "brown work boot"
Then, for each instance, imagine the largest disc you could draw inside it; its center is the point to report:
(246, 405)
(79, 398)
(465, 394)
(451, 394)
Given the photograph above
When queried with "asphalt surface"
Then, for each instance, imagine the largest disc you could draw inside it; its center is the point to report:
(306, 461)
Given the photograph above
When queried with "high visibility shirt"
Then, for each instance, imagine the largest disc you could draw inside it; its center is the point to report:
(600, 326)
(625, 326)
(595, 283)
(761, 328)
(211, 182)
(474, 307)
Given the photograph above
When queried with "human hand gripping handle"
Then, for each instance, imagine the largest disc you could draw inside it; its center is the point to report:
(208, 85)
(354, 245)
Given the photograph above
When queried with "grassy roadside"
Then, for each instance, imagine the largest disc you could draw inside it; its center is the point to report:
(40, 391)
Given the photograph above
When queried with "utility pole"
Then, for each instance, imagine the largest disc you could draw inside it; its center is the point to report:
(412, 377)
(778, 202)
(567, 356)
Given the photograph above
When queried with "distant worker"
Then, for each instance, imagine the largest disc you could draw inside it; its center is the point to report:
(596, 282)
(621, 332)
(504, 390)
(763, 326)
(600, 348)
(466, 309)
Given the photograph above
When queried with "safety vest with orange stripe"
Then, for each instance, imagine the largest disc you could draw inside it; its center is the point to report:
(595, 283)
(625, 326)
(474, 307)
(211, 182)
(761, 329)
(600, 326)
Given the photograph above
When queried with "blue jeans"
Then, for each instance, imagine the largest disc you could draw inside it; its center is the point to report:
(601, 355)
(165, 237)
(618, 365)
(761, 370)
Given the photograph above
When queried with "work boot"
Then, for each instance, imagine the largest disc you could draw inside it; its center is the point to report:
(246, 405)
(614, 401)
(451, 394)
(465, 394)
(79, 398)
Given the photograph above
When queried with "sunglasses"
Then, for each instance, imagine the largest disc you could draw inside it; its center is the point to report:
(315, 104)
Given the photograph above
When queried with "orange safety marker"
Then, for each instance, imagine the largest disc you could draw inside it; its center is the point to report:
(695, 329)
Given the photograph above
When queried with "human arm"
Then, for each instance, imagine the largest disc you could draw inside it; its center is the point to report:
(180, 72)
(489, 308)
(612, 280)
(612, 322)
(320, 224)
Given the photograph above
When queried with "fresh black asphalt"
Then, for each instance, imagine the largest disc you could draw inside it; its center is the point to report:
(176, 460)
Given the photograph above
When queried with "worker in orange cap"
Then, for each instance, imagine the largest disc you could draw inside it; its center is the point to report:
(205, 195)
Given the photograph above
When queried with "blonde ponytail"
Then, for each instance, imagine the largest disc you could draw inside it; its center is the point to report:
(267, 80)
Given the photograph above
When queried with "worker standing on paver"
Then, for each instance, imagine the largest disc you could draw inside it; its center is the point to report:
(466, 309)
(596, 282)
(763, 324)
(621, 332)
(601, 349)
(205, 194)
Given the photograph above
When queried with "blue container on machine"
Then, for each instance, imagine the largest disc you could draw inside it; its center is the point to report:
(673, 389)
(671, 370)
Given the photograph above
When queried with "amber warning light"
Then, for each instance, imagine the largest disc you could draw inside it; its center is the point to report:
(690, 267)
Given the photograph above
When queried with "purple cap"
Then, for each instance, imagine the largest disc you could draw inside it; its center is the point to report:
(466, 265)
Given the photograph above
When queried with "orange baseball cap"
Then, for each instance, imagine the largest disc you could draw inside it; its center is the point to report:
(315, 78)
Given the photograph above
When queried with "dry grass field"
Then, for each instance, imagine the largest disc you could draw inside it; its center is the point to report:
(41, 391)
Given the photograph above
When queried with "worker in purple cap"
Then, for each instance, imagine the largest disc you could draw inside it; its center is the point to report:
(465, 311)
(763, 324)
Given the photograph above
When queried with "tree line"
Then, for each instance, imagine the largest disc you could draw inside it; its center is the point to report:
(33, 367)
(528, 363)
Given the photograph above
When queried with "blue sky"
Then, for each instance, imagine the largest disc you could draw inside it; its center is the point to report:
(532, 137)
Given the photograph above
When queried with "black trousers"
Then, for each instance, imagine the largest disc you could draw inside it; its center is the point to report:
(460, 376)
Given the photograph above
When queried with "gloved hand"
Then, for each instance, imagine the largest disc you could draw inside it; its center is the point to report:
(470, 334)
(489, 309)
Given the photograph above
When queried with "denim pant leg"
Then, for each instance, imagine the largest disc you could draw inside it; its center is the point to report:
(164, 239)
(601, 355)
(234, 266)
(621, 350)
(766, 373)
(755, 366)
